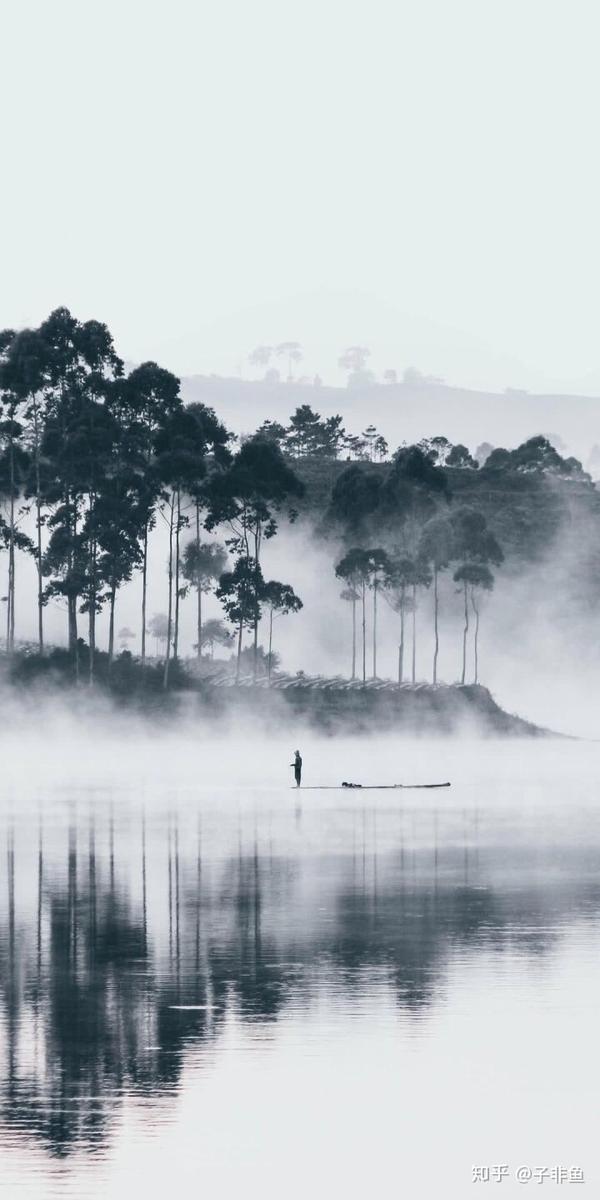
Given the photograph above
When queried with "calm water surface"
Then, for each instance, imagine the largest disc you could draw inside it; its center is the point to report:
(212, 985)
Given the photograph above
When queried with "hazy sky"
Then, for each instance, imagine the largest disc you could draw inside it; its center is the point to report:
(419, 176)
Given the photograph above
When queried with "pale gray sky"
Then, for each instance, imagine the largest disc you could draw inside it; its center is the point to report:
(418, 176)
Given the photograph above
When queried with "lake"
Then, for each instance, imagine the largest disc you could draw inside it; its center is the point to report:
(213, 984)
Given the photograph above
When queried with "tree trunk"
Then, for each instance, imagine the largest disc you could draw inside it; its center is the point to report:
(255, 631)
(199, 589)
(354, 639)
(170, 608)
(72, 619)
(256, 576)
(92, 595)
(414, 633)
(435, 623)
(177, 539)
(364, 636)
(465, 635)
(270, 639)
(10, 610)
(476, 639)
(401, 646)
(239, 649)
(111, 624)
(144, 592)
(72, 600)
(38, 525)
(375, 629)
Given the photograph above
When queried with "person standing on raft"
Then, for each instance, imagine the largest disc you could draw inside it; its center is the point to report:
(297, 765)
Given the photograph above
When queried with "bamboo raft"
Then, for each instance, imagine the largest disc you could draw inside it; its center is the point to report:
(368, 787)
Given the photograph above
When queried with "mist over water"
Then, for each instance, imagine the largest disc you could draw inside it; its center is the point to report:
(207, 975)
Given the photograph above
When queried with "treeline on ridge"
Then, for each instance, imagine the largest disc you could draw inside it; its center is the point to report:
(98, 456)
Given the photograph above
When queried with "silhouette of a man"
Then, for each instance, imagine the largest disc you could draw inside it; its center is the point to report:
(297, 765)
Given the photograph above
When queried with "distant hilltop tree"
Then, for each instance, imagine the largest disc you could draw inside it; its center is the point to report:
(273, 431)
(260, 356)
(292, 351)
(354, 361)
(536, 454)
(441, 451)
(462, 458)
(415, 378)
(310, 435)
(475, 548)
(375, 444)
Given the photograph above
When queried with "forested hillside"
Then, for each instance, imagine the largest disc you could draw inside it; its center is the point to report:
(97, 463)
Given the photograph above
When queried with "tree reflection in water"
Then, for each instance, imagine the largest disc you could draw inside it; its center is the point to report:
(114, 967)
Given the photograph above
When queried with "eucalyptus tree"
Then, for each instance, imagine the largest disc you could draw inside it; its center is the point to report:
(217, 457)
(278, 598)
(405, 576)
(356, 569)
(247, 497)
(396, 593)
(379, 571)
(420, 578)
(153, 398)
(436, 548)
(203, 564)
(122, 502)
(351, 596)
(78, 435)
(25, 370)
(240, 592)
(475, 578)
(121, 515)
(475, 547)
(14, 465)
(180, 466)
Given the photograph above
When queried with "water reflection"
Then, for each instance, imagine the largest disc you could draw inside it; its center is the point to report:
(127, 941)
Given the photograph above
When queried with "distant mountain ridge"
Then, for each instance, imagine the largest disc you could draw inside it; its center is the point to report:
(409, 410)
